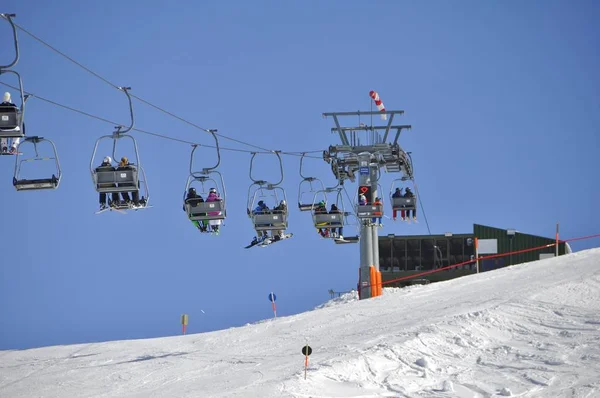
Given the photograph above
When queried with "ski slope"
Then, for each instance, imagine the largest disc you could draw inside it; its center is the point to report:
(531, 330)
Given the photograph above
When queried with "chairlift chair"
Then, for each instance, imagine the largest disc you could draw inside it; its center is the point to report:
(198, 210)
(206, 211)
(401, 203)
(271, 220)
(11, 118)
(132, 178)
(328, 220)
(22, 184)
(306, 187)
(369, 210)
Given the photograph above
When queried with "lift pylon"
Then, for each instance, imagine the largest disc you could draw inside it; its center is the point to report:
(364, 151)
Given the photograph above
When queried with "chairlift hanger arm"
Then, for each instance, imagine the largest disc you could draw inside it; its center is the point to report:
(213, 131)
(302, 175)
(9, 18)
(126, 91)
(261, 182)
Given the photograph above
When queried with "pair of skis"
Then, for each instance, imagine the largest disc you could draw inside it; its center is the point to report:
(122, 211)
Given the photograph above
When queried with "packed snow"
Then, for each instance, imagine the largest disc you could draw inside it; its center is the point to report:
(531, 330)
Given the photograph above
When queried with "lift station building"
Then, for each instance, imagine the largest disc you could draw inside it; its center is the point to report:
(401, 256)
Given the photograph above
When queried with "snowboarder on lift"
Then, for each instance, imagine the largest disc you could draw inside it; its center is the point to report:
(197, 199)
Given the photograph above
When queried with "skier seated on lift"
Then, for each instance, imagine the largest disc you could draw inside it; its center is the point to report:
(213, 196)
(334, 210)
(106, 166)
(193, 199)
(125, 165)
(281, 208)
(408, 194)
(377, 202)
(362, 200)
(397, 194)
(8, 106)
(321, 209)
(262, 208)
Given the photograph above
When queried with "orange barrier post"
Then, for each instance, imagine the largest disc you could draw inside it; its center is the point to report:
(373, 281)
(556, 240)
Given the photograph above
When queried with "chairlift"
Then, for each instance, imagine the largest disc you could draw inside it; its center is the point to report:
(368, 210)
(401, 203)
(350, 220)
(12, 117)
(323, 219)
(306, 187)
(122, 179)
(275, 218)
(22, 184)
(197, 208)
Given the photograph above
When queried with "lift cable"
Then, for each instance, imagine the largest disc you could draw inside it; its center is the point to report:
(418, 195)
(149, 132)
(135, 96)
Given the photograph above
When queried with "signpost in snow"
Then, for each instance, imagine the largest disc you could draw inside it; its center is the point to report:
(184, 322)
(272, 299)
(306, 350)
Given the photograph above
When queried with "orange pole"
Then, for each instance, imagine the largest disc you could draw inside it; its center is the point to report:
(373, 281)
(556, 252)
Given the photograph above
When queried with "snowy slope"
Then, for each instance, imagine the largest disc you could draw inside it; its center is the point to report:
(532, 330)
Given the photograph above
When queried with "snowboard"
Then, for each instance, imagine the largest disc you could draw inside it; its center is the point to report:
(268, 241)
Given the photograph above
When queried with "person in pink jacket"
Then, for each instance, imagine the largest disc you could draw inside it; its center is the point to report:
(213, 196)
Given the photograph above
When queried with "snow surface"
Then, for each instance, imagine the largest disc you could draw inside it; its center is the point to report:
(530, 330)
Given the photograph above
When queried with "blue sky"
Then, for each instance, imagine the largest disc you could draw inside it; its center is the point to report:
(503, 98)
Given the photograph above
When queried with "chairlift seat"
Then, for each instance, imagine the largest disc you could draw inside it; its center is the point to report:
(10, 120)
(305, 207)
(41, 183)
(369, 211)
(270, 221)
(328, 221)
(402, 203)
(107, 180)
(199, 211)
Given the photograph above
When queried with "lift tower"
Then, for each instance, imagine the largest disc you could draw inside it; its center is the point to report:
(365, 150)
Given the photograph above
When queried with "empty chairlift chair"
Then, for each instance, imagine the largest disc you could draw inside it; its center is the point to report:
(22, 184)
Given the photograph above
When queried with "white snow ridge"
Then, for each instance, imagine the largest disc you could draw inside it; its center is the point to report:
(531, 330)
